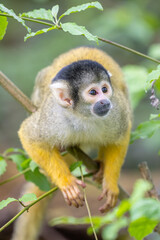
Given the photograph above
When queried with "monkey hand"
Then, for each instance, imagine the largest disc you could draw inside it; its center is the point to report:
(72, 194)
(111, 194)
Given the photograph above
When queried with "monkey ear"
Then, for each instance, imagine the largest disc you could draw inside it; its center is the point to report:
(61, 92)
(109, 73)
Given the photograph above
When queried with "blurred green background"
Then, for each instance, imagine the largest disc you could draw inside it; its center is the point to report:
(131, 23)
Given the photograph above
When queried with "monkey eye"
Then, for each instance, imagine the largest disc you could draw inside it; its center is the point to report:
(104, 89)
(93, 92)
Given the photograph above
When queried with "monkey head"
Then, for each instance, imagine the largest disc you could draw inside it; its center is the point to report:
(84, 87)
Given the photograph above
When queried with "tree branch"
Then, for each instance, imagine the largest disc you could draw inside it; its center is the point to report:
(15, 92)
(146, 174)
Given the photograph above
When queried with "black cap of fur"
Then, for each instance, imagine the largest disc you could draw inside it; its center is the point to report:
(74, 72)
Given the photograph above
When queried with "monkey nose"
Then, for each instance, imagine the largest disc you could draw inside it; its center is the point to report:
(102, 107)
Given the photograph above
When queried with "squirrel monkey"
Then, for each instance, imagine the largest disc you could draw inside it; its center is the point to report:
(82, 100)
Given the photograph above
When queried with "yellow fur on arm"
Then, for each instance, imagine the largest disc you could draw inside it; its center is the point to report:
(113, 156)
(50, 161)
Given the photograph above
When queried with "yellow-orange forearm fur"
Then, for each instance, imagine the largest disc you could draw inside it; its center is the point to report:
(113, 156)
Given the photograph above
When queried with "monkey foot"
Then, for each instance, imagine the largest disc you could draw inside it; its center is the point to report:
(72, 194)
(111, 199)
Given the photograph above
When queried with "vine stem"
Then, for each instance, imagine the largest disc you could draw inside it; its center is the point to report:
(27, 207)
(129, 49)
(15, 176)
(99, 38)
(87, 206)
(29, 19)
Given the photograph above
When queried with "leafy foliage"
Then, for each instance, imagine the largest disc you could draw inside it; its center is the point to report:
(38, 178)
(145, 130)
(28, 197)
(3, 165)
(154, 75)
(74, 29)
(44, 30)
(154, 50)
(32, 173)
(51, 15)
(3, 24)
(12, 13)
(25, 198)
(135, 77)
(82, 7)
(39, 14)
(4, 203)
(144, 214)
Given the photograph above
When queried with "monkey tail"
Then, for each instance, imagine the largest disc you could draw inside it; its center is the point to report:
(27, 226)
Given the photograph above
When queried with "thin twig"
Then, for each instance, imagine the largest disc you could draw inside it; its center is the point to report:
(129, 49)
(101, 39)
(29, 19)
(15, 176)
(146, 174)
(27, 208)
(88, 209)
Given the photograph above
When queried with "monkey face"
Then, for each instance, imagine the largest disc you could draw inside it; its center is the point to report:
(83, 87)
(98, 96)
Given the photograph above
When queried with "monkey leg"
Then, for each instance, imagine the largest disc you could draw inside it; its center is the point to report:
(113, 157)
(27, 226)
(57, 170)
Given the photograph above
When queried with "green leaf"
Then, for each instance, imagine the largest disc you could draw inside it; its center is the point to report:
(70, 220)
(111, 231)
(154, 75)
(145, 130)
(18, 160)
(3, 166)
(147, 207)
(82, 7)
(25, 164)
(32, 34)
(75, 29)
(154, 50)
(140, 188)
(55, 11)
(38, 178)
(75, 165)
(39, 14)
(123, 208)
(12, 13)
(4, 203)
(153, 116)
(141, 228)
(33, 165)
(135, 77)
(14, 150)
(3, 24)
(28, 197)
